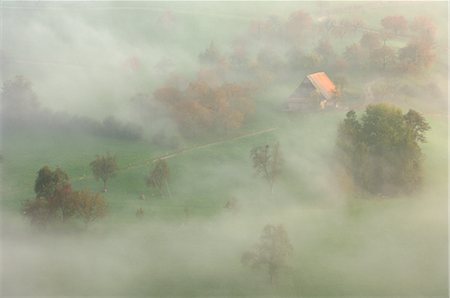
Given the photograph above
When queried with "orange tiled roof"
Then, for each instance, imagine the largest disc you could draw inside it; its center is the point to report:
(322, 82)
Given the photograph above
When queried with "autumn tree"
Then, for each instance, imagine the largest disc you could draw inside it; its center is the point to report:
(89, 206)
(239, 57)
(55, 200)
(354, 55)
(326, 50)
(295, 58)
(203, 107)
(19, 101)
(423, 26)
(267, 162)
(53, 197)
(383, 57)
(356, 24)
(269, 28)
(370, 41)
(381, 150)
(341, 82)
(312, 61)
(104, 167)
(271, 253)
(417, 56)
(55, 188)
(298, 24)
(396, 24)
(210, 55)
(269, 59)
(328, 25)
(343, 28)
(159, 176)
(38, 211)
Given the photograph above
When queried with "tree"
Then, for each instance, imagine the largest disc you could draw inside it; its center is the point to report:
(38, 211)
(271, 252)
(104, 167)
(19, 100)
(416, 126)
(89, 206)
(294, 58)
(269, 59)
(356, 24)
(312, 60)
(396, 24)
(423, 26)
(298, 24)
(370, 41)
(325, 49)
(139, 213)
(382, 57)
(328, 25)
(53, 197)
(56, 200)
(417, 56)
(48, 183)
(267, 162)
(343, 28)
(210, 55)
(159, 176)
(55, 188)
(381, 150)
(204, 108)
(341, 82)
(354, 55)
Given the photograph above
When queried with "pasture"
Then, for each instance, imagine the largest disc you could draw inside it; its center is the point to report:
(345, 242)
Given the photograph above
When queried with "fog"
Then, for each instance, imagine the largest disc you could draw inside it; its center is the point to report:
(112, 77)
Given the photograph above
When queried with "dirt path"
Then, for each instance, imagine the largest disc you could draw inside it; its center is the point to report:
(184, 150)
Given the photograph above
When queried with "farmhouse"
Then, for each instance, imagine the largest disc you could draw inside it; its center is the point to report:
(316, 91)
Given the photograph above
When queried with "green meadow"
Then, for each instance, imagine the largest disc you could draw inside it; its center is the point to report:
(346, 243)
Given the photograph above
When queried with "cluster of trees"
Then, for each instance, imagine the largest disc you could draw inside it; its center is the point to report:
(273, 47)
(21, 108)
(56, 200)
(381, 150)
(418, 55)
(203, 107)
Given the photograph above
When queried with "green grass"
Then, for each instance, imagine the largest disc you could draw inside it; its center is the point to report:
(345, 243)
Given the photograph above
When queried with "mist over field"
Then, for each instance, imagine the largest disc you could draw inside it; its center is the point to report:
(225, 180)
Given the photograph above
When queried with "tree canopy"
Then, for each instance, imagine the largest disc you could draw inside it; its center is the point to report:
(55, 201)
(267, 162)
(203, 107)
(271, 252)
(381, 149)
(104, 167)
(159, 176)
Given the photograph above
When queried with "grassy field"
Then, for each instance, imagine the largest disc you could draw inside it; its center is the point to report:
(346, 243)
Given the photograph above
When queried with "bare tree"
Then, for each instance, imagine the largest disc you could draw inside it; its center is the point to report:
(271, 252)
(267, 162)
(159, 176)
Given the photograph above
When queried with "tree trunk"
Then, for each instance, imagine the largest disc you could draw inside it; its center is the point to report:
(104, 186)
(168, 189)
(271, 274)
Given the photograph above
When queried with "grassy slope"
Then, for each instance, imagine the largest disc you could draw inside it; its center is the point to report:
(201, 182)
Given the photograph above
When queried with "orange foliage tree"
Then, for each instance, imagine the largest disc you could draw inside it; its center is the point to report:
(204, 107)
